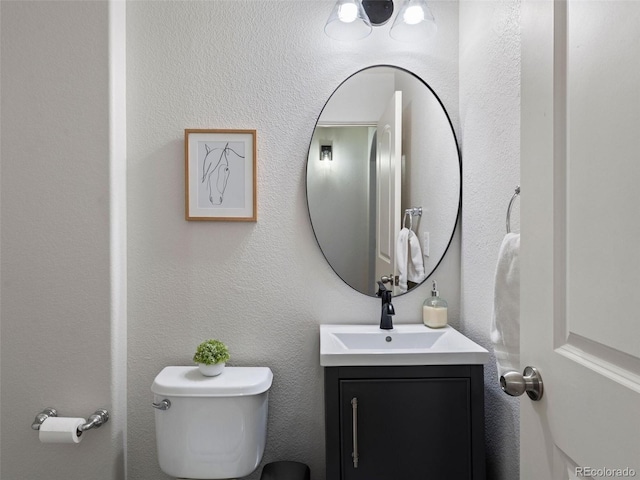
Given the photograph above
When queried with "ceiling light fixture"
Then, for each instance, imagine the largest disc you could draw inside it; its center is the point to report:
(355, 19)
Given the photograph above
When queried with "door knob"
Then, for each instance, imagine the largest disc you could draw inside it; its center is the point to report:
(393, 280)
(530, 381)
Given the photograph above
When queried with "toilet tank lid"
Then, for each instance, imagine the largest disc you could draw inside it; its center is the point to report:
(232, 382)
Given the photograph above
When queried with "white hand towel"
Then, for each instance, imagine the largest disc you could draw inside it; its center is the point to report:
(505, 324)
(408, 259)
(402, 257)
(416, 265)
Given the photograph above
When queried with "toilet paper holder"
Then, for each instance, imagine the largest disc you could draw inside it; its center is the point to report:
(99, 417)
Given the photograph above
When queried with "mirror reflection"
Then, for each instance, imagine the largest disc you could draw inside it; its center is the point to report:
(383, 180)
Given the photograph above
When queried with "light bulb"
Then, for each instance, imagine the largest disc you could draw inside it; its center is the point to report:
(348, 12)
(413, 15)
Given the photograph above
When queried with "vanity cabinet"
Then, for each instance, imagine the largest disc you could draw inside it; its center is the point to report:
(404, 422)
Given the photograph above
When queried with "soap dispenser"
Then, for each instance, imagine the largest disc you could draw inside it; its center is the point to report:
(434, 310)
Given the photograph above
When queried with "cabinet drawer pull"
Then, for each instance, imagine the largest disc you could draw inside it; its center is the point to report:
(354, 410)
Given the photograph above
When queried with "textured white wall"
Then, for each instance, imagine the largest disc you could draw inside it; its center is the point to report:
(490, 118)
(261, 287)
(58, 314)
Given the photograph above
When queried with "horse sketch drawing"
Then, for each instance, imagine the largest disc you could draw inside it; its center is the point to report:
(216, 171)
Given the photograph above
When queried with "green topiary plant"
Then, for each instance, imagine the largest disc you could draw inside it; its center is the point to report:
(211, 352)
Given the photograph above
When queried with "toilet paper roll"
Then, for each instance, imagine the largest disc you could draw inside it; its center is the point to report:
(61, 430)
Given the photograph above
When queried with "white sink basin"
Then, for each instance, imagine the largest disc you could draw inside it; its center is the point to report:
(413, 344)
(397, 340)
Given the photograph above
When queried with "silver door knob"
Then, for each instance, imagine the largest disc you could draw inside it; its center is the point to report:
(530, 381)
(393, 280)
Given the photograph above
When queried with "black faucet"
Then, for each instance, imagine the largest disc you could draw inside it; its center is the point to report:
(387, 308)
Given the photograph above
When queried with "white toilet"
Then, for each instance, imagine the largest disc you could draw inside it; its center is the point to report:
(211, 427)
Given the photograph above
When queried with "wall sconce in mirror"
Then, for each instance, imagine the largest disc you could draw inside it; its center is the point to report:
(355, 19)
(326, 152)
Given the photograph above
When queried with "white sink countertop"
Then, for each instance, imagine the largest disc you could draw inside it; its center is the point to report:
(405, 344)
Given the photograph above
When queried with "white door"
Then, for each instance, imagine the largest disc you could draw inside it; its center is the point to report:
(388, 176)
(580, 257)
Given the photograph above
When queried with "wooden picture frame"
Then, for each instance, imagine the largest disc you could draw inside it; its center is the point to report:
(220, 175)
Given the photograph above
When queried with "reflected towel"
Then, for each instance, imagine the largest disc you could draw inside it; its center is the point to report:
(408, 259)
(505, 324)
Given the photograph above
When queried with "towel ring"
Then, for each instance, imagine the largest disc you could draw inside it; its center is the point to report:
(410, 212)
(404, 220)
(516, 194)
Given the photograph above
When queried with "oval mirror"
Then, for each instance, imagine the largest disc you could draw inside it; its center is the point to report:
(384, 180)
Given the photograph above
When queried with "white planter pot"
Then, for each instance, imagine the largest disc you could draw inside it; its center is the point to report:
(211, 370)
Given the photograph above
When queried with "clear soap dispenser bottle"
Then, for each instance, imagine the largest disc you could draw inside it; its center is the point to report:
(434, 310)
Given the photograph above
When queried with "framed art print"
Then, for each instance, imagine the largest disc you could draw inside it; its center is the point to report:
(220, 175)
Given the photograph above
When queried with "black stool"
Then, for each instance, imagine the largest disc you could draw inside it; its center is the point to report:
(285, 470)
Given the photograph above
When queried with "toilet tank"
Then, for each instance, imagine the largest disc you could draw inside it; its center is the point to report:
(216, 427)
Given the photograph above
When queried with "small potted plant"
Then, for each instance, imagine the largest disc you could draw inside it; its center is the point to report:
(211, 356)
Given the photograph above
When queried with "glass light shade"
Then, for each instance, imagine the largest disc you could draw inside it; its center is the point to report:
(414, 22)
(348, 21)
